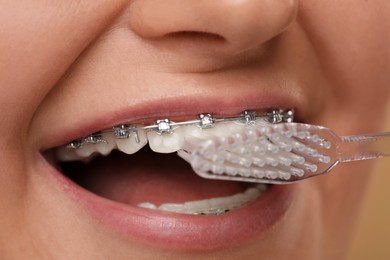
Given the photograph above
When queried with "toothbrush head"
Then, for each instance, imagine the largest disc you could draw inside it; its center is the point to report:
(265, 153)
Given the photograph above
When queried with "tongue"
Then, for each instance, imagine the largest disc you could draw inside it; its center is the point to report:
(147, 177)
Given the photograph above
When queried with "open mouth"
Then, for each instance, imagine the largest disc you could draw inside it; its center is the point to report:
(117, 164)
(131, 177)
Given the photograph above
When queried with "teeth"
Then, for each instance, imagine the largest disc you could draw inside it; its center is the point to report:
(65, 155)
(106, 147)
(160, 143)
(133, 143)
(147, 205)
(214, 206)
(86, 150)
(221, 129)
(166, 142)
(166, 136)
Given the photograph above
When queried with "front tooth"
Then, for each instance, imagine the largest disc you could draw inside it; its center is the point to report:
(221, 129)
(214, 205)
(106, 147)
(173, 207)
(65, 154)
(234, 201)
(200, 206)
(86, 150)
(131, 144)
(147, 205)
(167, 142)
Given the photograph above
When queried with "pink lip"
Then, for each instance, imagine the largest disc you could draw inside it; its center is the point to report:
(179, 231)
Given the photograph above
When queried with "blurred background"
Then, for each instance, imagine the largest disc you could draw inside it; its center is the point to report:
(372, 240)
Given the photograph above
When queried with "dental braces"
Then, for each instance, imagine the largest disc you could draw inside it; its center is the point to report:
(166, 126)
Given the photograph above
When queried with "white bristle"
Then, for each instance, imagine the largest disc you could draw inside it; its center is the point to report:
(312, 152)
(270, 160)
(205, 167)
(311, 167)
(326, 144)
(246, 162)
(272, 148)
(324, 159)
(297, 172)
(285, 161)
(258, 173)
(233, 171)
(245, 172)
(284, 175)
(288, 133)
(218, 158)
(302, 134)
(259, 149)
(232, 158)
(271, 153)
(258, 161)
(218, 169)
(271, 174)
(314, 138)
(297, 159)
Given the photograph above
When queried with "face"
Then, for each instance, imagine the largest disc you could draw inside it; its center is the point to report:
(69, 69)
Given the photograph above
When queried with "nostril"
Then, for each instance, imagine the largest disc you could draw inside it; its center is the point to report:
(231, 27)
(195, 35)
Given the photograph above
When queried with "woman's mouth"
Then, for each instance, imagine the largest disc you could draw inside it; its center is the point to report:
(165, 136)
(154, 195)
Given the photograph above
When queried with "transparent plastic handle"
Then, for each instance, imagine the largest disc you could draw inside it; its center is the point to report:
(363, 147)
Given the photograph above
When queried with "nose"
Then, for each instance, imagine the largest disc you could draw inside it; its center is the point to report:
(241, 24)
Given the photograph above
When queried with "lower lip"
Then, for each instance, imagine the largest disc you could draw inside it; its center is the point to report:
(180, 231)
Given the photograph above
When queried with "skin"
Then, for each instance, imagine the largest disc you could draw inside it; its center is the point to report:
(60, 58)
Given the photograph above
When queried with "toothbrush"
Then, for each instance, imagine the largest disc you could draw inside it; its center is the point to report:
(279, 153)
(265, 148)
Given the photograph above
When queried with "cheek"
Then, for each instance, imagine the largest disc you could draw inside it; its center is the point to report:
(342, 195)
(352, 41)
(38, 43)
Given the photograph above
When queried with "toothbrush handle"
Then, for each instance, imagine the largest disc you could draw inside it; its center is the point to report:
(364, 147)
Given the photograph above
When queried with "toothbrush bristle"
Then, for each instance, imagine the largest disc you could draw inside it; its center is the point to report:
(266, 153)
